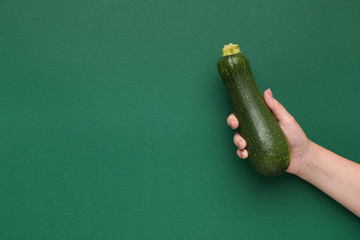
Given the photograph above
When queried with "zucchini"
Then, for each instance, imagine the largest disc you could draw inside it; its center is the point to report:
(268, 150)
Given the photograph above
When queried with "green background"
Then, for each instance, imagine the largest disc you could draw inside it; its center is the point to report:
(113, 117)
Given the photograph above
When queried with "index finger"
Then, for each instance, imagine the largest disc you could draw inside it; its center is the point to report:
(232, 121)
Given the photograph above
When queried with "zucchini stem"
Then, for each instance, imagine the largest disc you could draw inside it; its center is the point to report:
(230, 49)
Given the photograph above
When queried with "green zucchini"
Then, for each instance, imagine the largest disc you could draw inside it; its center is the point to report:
(268, 150)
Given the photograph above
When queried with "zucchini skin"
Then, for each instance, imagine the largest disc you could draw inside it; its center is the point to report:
(268, 150)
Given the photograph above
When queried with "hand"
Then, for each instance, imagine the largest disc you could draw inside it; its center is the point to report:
(300, 145)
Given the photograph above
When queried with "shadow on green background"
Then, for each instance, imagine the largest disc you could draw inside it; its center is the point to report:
(113, 118)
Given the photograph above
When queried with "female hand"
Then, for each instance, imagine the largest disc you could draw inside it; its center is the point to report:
(300, 145)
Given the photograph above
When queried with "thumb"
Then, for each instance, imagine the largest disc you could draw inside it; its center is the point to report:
(277, 109)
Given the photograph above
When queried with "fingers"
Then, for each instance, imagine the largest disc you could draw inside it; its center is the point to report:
(277, 109)
(232, 121)
(241, 144)
(242, 153)
(239, 141)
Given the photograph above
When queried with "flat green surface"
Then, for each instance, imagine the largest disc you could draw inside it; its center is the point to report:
(112, 117)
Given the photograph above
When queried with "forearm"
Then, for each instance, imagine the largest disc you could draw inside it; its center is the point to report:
(334, 175)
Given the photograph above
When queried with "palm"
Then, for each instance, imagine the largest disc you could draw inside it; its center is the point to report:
(298, 142)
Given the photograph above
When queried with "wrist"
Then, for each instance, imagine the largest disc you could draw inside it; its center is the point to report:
(309, 162)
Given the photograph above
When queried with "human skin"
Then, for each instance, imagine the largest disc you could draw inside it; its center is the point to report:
(334, 175)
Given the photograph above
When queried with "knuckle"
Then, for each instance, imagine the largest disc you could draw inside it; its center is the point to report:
(290, 119)
(238, 152)
(236, 138)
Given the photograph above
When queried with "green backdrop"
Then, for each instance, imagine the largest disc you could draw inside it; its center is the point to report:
(113, 117)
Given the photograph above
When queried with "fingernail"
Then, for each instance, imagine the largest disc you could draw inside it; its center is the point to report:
(239, 144)
(271, 94)
(232, 123)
